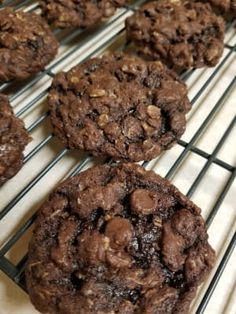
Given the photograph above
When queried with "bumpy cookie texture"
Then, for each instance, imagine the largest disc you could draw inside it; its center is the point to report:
(83, 13)
(13, 139)
(119, 106)
(181, 35)
(117, 239)
(27, 44)
(224, 7)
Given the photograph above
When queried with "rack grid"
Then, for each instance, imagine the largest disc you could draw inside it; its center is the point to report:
(76, 47)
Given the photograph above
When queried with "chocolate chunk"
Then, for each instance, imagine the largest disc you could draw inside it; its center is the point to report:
(119, 231)
(181, 34)
(13, 139)
(99, 197)
(199, 259)
(178, 235)
(83, 13)
(188, 226)
(143, 202)
(146, 202)
(27, 44)
(145, 251)
(118, 259)
(172, 249)
(92, 248)
(119, 106)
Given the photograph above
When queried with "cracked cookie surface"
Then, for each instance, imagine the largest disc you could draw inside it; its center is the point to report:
(13, 139)
(27, 45)
(119, 106)
(182, 35)
(83, 13)
(117, 239)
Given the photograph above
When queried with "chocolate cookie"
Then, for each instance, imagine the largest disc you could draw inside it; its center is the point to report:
(117, 239)
(13, 139)
(83, 13)
(27, 44)
(224, 7)
(181, 35)
(119, 106)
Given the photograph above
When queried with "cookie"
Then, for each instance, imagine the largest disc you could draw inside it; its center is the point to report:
(181, 35)
(83, 13)
(119, 106)
(117, 239)
(27, 45)
(13, 139)
(225, 7)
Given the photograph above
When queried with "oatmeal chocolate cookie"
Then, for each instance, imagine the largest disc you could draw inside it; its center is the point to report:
(27, 44)
(119, 106)
(224, 7)
(13, 139)
(181, 35)
(117, 239)
(83, 13)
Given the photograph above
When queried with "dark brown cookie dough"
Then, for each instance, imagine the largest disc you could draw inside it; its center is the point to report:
(83, 13)
(13, 139)
(27, 44)
(119, 106)
(181, 35)
(117, 239)
(225, 7)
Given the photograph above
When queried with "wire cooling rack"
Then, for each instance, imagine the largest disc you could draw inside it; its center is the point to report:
(202, 165)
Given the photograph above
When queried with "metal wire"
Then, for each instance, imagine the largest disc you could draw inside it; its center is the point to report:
(217, 275)
(16, 272)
